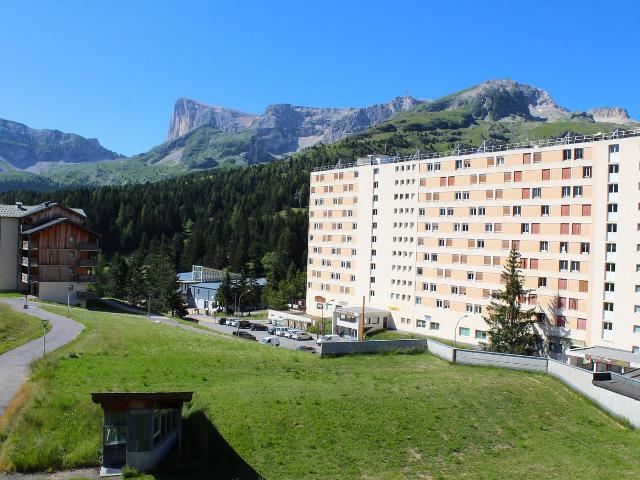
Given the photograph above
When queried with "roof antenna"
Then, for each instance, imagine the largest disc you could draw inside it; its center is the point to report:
(483, 147)
(456, 149)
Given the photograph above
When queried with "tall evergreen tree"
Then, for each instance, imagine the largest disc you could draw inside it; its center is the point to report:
(511, 329)
(137, 287)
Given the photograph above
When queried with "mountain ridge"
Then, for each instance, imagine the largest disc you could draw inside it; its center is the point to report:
(209, 137)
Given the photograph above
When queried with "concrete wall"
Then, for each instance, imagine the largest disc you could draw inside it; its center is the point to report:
(9, 237)
(441, 350)
(581, 380)
(335, 349)
(502, 360)
(57, 292)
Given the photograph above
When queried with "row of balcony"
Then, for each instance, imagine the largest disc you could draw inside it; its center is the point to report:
(84, 247)
(83, 262)
(72, 277)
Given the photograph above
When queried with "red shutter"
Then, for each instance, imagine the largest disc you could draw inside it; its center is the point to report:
(526, 193)
(562, 284)
(517, 176)
(576, 228)
(443, 181)
(586, 210)
(564, 229)
(535, 228)
(546, 174)
(566, 173)
(564, 211)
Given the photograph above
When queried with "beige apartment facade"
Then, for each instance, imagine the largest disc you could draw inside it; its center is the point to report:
(426, 238)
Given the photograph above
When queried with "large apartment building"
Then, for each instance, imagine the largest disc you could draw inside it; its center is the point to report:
(426, 237)
(48, 251)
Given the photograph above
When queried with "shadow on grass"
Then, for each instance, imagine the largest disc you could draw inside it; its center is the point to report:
(205, 455)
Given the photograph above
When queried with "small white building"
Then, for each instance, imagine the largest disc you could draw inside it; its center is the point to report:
(346, 321)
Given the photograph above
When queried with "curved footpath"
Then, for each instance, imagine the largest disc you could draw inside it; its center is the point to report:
(14, 364)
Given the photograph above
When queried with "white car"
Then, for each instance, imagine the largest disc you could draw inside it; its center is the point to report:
(301, 336)
(273, 341)
(280, 331)
(291, 332)
(327, 338)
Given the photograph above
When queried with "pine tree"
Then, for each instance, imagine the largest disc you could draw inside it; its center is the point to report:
(511, 329)
(224, 295)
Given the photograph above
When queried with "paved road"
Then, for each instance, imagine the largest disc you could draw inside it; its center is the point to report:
(14, 364)
(212, 323)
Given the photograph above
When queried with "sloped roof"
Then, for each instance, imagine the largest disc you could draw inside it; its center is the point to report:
(50, 224)
(19, 211)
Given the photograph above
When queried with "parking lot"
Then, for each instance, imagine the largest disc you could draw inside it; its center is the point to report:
(212, 324)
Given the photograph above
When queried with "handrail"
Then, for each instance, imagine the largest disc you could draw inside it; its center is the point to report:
(566, 140)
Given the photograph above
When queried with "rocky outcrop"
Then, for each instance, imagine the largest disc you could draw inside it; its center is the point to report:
(497, 99)
(283, 128)
(24, 147)
(611, 115)
(189, 115)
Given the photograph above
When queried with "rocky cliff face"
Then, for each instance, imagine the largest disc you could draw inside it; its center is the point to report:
(297, 126)
(610, 114)
(189, 115)
(24, 147)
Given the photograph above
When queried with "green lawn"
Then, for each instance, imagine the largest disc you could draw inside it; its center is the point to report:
(291, 415)
(17, 328)
(395, 335)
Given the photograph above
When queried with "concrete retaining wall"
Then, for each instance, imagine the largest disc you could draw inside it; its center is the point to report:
(502, 360)
(335, 349)
(441, 350)
(581, 380)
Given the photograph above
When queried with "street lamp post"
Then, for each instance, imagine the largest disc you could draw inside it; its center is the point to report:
(69, 288)
(149, 306)
(455, 332)
(238, 304)
(44, 336)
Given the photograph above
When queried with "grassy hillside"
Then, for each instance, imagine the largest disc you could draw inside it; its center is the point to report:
(17, 328)
(290, 414)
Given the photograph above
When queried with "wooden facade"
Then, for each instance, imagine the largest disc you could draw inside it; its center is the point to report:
(57, 247)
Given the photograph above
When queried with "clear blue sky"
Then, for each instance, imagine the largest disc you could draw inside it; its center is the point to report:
(113, 69)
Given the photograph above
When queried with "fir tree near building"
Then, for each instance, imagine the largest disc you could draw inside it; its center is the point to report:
(511, 328)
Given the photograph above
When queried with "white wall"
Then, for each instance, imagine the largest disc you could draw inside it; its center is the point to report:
(57, 292)
(9, 238)
(581, 380)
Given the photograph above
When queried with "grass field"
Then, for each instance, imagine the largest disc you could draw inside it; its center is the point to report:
(397, 335)
(17, 328)
(286, 414)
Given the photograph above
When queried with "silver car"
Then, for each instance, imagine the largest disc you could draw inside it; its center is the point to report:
(299, 335)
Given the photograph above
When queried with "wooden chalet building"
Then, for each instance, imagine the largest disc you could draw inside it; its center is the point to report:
(47, 250)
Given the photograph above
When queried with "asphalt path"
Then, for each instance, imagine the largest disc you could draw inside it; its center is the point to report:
(14, 364)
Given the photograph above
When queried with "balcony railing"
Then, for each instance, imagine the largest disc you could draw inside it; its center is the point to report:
(89, 247)
(87, 278)
(27, 246)
(88, 262)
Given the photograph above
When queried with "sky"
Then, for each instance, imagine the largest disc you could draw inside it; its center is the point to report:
(112, 70)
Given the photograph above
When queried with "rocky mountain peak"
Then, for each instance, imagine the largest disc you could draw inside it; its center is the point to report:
(190, 114)
(610, 114)
(497, 99)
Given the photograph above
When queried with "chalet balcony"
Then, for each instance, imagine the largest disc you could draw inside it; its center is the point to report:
(27, 246)
(88, 262)
(26, 278)
(87, 278)
(29, 262)
(89, 247)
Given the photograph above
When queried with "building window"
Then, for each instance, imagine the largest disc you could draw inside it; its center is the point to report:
(481, 335)
(464, 331)
(581, 324)
(544, 210)
(578, 153)
(544, 246)
(434, 326)
(542, 282)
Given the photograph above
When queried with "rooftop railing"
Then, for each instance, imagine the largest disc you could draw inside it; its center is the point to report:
(485, 148)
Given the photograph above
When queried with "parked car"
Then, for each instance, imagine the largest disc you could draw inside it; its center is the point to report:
(300, 335)
(246, 324)
(243, 334)
(273, 341)
(222, 321)
(306, 348)
(232, 322)
(280, 331)
(290, 332)
(261, 327)
(272, 330)
(327, 338)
